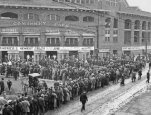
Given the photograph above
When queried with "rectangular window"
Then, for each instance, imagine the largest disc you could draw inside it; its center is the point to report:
(91, 1)
(30, 16)
(127, 37)
(88, 1)
(78, 1)
(82, 1)
(115, 39)
(107, 39)
(67, 0)
(115, 23)
(73, 1)
(115, 32)
(136, 37)
(48, 42)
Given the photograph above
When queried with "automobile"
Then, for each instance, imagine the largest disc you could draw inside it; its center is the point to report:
(33, 79)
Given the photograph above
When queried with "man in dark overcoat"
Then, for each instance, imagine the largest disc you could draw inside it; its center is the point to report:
(83, 100)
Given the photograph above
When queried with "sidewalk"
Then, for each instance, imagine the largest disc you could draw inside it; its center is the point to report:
(138, 106)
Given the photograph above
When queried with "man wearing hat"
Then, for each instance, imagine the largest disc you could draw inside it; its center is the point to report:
(83, 100)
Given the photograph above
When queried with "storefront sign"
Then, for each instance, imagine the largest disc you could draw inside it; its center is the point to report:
(133, 48)
(9, 30)
(52, 31)
(88, 34)
(70, 32)
(31, 30)
(26, 48)
(38, 23)
(104, 50)
(7, 48)
(42, 49)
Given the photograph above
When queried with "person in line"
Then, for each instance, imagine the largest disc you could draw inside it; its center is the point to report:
(139, 74)
(83, 100)
(2, 86)
(148, 76)
(9, 84)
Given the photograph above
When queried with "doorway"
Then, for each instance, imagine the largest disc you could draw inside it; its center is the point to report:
(4, 56)
(51, 54)
(28, 53)
(73, 53)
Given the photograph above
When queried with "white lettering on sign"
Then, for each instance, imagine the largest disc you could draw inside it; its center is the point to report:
(42, 49)
(7, 48)
(53, 31)
(31, 30)
(26, 48)
(38, 23)
(70, 32)
(104, 50)
(61, 25)
(9, 30)
(29, 23)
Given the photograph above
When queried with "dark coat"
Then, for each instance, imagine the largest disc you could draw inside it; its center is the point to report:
(83, 98)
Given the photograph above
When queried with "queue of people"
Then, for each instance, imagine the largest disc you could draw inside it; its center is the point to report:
(77, 77)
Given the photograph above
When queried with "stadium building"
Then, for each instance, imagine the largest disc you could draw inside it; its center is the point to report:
(63, 28)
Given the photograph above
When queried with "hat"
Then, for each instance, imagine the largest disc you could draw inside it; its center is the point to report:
(9, 101)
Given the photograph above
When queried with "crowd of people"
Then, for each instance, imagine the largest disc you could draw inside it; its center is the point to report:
(76, 76)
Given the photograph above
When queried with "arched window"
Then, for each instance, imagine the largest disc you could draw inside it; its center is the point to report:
(88, 19)
(128, 24)
(137, 24)
(31, 16)
(71, 18)
(107, 22)
(144, 25)
(53, 17)
(9, 15)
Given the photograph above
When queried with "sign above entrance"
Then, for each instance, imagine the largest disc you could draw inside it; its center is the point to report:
(31, 30)
(9, 30)
(52, 31)
(38, 23)
(42, 49)
(70, 32)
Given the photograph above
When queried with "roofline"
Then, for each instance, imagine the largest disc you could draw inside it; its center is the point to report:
(133, 14)
(55, 7)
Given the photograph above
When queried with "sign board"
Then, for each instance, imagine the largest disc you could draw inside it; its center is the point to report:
(70, 32)
(9, 30)
(24, 48)
(38, 23)
(104, 50)
(134, 48)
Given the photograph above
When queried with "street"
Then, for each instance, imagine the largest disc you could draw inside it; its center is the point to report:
(107, 101)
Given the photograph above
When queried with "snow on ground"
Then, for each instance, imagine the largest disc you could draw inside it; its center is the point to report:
(107, 101)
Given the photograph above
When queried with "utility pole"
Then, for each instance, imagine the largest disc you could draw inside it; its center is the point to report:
(146, 40)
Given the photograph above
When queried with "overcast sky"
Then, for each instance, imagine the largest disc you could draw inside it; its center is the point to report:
(142, 4)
